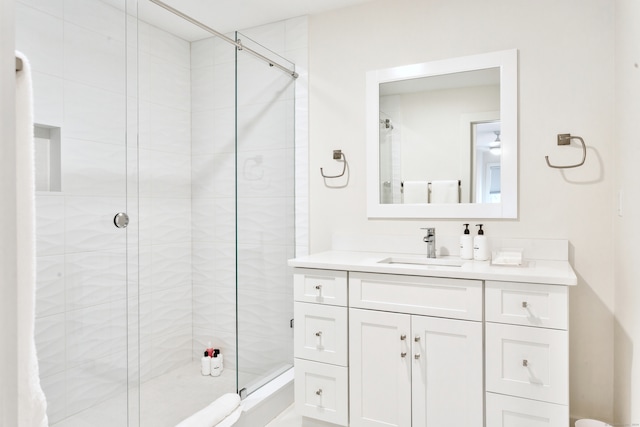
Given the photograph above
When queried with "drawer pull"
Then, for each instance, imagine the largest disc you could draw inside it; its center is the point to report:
(319, 392)
(403, 337)
(416, 356)
(525, 304)
(319, 333)
(403, 354)
(525, 363)
(416, 338)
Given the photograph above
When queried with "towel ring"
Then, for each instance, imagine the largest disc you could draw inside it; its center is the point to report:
(565, 139)
(337, 155)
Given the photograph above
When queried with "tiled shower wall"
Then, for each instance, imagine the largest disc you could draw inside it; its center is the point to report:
(267, 129)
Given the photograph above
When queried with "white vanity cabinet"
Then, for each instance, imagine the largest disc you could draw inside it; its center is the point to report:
(408, 367)
(527, 354)
(421, 346)
(320, 345)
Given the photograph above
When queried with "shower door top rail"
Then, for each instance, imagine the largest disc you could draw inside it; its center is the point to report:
(238, 45)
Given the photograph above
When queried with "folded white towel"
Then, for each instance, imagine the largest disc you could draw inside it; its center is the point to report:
(415, 192)
(445, 191)
(223, 411)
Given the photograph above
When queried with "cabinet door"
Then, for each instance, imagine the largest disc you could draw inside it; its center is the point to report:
(380, 368)
(446, 372)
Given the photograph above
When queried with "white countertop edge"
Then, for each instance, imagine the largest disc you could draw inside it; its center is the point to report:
(536, 271)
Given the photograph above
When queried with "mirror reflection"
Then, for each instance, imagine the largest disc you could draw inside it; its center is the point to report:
(440, 139)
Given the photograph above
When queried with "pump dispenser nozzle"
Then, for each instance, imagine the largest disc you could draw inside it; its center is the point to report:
(466, 228)
(481, 231)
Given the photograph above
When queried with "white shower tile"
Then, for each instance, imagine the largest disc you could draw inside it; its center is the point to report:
(95, 277)
(202, 53)
(96, 331)
(162, 82)
(47, 99)
(269, 37)
(256, 85)
(50, 217)
(94, 114)
(265, 220)
(92, 168)
(213, 131)
(55, 390)
(50, 339)
(266, 173)
(94, 59)
(172, 309)
(170, 220)
(88, 223)
(52, 7)
(170, 174)
(164, 45)
(50, 278)
(213, 175)
(97, 16)
(204, 298)
(92, 383)
(225, 309)
(262, 127)
(263, 267)
(223, 51)
(202, 88)
(170, 265)
(168, 129)
(39, 35)
(171, 349)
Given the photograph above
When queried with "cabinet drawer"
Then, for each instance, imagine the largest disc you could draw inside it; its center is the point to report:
(527, 362)
(431, 296)
(321, 391)
(508, 411)
(320, 333)
(320, 286)
(526, 304)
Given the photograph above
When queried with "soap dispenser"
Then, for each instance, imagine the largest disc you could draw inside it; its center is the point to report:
(205, 362)
(480, 246)
(466, 244)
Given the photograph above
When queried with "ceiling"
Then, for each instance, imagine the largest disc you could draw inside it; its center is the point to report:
(229, 15)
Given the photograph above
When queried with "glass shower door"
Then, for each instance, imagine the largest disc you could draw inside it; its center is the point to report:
(265, 221)
(84, 169)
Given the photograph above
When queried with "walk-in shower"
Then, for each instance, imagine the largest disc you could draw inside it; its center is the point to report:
(195, 141)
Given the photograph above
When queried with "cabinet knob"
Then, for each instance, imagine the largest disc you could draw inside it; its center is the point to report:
(416, 356)
(318, 287)
(403, 354)
(525, 304)
(319, 333)
(319, 392)
(416, 338)
(525, 363)
(403, 337)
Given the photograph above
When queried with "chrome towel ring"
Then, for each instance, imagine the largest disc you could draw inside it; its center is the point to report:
(565, 139)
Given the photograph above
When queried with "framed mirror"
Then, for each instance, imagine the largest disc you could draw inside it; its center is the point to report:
(442, 138)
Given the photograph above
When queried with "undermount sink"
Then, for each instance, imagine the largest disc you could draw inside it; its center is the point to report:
(436, 262)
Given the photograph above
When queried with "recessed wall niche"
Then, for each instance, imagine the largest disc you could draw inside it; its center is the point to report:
(46, 141)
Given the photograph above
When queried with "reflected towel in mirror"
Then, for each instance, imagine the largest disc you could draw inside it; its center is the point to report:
(446, 191)
(415, 192)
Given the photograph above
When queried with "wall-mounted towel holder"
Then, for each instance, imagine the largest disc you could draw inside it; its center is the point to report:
(337, 155)
(565, 139)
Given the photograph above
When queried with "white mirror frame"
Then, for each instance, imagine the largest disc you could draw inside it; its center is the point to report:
(507, 61)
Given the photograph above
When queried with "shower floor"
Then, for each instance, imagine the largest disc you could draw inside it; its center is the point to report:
(164, 401)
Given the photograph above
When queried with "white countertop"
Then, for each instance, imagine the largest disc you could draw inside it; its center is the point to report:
(532, 271)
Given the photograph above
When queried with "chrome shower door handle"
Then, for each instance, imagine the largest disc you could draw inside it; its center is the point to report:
(121, 220)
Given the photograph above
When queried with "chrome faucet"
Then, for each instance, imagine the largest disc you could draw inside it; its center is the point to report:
(430, 240)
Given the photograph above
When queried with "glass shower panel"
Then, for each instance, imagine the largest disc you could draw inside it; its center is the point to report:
(265, 222)
(78, 54)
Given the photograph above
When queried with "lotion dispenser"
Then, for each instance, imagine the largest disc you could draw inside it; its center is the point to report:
(466, 244)
(480, 246)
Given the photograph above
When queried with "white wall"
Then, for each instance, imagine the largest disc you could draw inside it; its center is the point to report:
(566, 71)
(627, 234)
